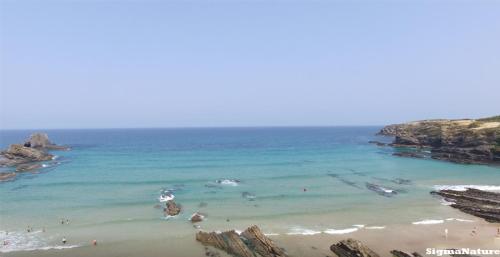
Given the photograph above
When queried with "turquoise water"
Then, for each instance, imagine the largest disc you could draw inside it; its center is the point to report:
(109, 183)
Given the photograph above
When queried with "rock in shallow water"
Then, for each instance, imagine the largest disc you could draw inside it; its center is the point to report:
(6, 176)
(172, 208)
(197, 217)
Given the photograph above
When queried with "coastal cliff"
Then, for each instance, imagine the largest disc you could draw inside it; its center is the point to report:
(462, 141)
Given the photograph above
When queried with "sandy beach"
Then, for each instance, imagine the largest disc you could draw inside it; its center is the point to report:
(408, 238)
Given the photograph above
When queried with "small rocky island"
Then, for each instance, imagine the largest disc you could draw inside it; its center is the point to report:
(461, 141)
(27, 156)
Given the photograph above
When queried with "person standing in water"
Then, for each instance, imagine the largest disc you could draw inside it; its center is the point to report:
(64, 240)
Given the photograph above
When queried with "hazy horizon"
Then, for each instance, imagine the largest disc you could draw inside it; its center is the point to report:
(187, 64)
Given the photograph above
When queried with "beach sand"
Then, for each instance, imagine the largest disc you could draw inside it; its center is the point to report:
(404, 237)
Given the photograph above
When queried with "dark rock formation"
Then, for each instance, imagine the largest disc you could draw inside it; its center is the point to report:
(17, 154)
(409, 154)
(251, 243)
(352, 248)
(41, 141)
(401, 181)
(377, 143)
(28, 167)
(27, 156)
(476, 202)
(6, 176)
(387, 192)
(171, 208)
(397, 253)
(197, 217)
(261, 244)
(462, 141)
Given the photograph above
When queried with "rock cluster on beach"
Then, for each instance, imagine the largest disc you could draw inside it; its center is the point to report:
(354, 248)
(462, 141)
(476, 202)
(251, 243)
(27, 156)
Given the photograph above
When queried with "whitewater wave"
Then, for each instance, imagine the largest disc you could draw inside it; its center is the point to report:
(23, 241)
(375, 227)
(228, 182)
(303, 231)
(464, 187)
(340, 231)
(460, 220)
(428, 222)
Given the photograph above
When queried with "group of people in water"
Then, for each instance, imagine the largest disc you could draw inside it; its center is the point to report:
(29, 229)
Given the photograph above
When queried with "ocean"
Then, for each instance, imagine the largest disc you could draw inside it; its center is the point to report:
(289, 181)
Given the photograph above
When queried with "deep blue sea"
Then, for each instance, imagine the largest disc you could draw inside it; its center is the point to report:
(287, 180)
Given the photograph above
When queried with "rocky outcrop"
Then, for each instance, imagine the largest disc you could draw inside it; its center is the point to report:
(197, 217)
(398, 253)
(41, 141)
(171, 208)
(251, 243)
(377, 143)
(462, 141)
(352, 248)
(17, 154)
(476, 202)
(6, 176)
(27, 156)
(28, 167)
(261, 244)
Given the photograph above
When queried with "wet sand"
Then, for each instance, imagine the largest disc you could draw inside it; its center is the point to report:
(405, 237)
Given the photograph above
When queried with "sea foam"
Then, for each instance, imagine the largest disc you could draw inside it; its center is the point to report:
(428, 222)
(303, 231)
(464, 187)
(23, 241)
(340, 231)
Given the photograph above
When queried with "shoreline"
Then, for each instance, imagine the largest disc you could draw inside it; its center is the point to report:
(410, 238)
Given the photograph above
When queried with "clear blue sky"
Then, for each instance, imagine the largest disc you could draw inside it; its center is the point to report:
(93, 64)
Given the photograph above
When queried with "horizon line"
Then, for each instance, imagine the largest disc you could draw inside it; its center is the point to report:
(196, 127)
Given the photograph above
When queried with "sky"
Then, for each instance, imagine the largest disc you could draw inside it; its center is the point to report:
(130, 64)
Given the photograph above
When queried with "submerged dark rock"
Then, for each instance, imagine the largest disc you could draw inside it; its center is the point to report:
(249, 196)
(482, 204)
(377, 143)
(28, 167)
(7, 176)
(387, 192)
(409, 154)
(251, 243)
(352, 248)
(461, 141)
